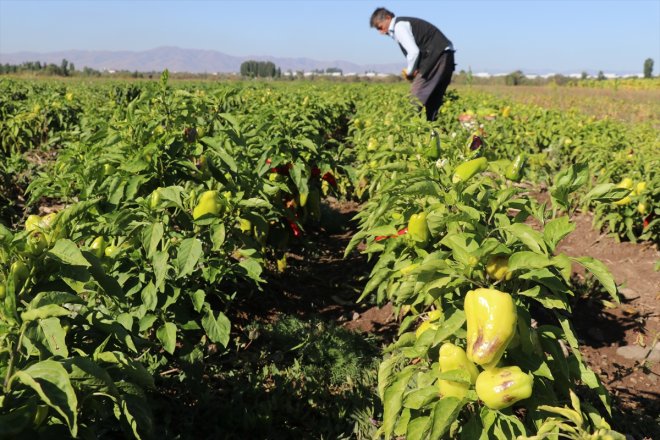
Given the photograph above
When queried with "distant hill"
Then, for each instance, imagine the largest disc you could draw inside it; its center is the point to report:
(176, 59)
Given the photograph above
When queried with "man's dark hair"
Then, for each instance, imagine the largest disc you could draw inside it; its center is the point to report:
(379, 15)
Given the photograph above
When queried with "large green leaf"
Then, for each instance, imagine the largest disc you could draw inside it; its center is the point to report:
(529, 237)
(50, 380)
(54, 336)
(444, 414)
(160, 267)
(217, 329)
(166, 334)
(151, 237)
(393, 399)
(556, 229)
(527, 260)
(190, 251)
(67, 252)
(601, 272)
(421, 397)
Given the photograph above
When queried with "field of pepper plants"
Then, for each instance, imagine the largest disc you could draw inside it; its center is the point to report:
(143, 224)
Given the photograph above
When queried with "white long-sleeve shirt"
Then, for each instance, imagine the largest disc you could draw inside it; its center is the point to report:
(401, 32)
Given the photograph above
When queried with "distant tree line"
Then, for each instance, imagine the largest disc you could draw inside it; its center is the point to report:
(260, 69)
(65, 68)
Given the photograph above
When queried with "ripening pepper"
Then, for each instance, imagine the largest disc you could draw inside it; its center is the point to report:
(19, 273)
(453, 357)
(418, 229)
(208, 204)
(32, 222)
(154, 199)
(424, 326)
(491, 323)
(514, 170)
(624, 201)
(281, 264)
(36, 243)
(499, 388)
(98, 246)
(640, 188)
(626, 183)
(245, 225)
(475, 142)
(643, 208)
(497, 267)
(432, 150)
(112, 251)
(467, 170)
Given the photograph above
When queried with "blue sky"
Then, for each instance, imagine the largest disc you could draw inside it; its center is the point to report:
(489, 35)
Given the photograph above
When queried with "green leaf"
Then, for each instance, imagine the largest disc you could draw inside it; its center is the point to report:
(527, 260)
(385, 375)
(550, 300)
(563, 263)
(151, 236)
(393, 396)
(54, 336)
(197, 298)
(556, 229)
(252, 268)
(47, 311)
(299, 179)
(88, 377)
(418, 427)
(166, 334)
(146, 322)
(171, 196)
(419, 398)
(606, 193)
(67, 252)
(255, 203)
(50, 380)
(189, 253)
(218, 236)
(444, 414)
(226, 158)
(160, 266)
(217, 329)
(149, 296)
(450, 326)
(385, 230)
(601, 272)
(529, 237)
(461, 376)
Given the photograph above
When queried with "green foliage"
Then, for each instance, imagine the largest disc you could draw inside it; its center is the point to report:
(259, 69)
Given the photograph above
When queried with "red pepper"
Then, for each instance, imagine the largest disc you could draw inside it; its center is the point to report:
(294, 228)
(328, 177)
(398, 234)
(477, 143)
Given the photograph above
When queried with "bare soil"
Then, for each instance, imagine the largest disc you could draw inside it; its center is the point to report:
(616, 338)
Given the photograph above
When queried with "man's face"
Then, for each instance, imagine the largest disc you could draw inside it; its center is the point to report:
(383, 26)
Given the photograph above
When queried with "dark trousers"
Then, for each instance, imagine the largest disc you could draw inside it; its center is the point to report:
(431, 90)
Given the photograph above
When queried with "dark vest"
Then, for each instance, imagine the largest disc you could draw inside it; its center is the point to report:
(430, 41)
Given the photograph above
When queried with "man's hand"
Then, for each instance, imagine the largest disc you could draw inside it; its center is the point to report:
(406, 76)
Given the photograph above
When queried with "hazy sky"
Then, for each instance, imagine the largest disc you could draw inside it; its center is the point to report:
(489, 35)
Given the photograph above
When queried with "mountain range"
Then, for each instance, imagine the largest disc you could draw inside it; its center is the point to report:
(176, 59)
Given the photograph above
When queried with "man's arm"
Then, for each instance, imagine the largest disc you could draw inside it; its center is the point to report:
(404, 36)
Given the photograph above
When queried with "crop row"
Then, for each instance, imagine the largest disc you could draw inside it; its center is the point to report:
(150, 207)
